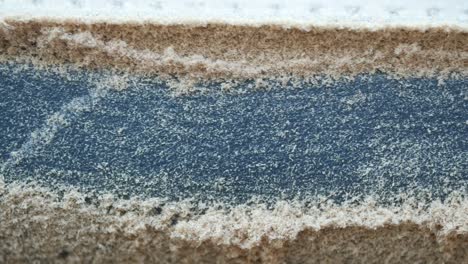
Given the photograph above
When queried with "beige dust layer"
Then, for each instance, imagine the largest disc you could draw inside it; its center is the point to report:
(221, 51)
(37, 225)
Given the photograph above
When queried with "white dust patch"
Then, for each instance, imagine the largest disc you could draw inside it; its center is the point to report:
(5, 27)
(150, 58)
(246, 226)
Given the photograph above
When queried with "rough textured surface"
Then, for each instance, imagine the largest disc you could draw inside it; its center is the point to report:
(39, 226)
(134, 136)
(355, 171)
(232, 143)
(219, 51)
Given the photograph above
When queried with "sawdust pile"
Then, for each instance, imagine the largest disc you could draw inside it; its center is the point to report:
(43, 225)
(226, 52)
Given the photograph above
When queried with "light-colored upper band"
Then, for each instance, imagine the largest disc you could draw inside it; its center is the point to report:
(297, 13)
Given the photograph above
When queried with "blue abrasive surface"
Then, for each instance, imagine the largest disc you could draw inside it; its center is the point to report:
(370, 135)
